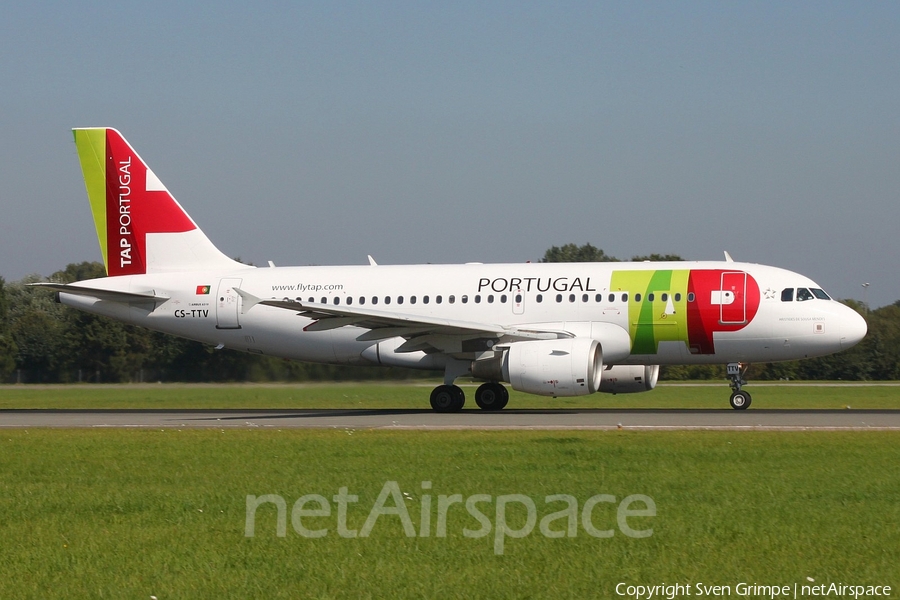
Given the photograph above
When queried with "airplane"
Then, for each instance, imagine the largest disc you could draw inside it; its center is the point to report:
(552, 329)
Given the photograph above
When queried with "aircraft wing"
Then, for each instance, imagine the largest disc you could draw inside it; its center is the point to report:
(101, 294)
(421, 332)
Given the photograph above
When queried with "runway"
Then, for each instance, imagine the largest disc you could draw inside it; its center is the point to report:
(420, 419)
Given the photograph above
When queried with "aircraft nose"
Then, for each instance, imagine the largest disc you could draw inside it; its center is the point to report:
(853, 328)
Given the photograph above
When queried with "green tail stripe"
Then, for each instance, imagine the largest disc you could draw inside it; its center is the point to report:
(91, 146)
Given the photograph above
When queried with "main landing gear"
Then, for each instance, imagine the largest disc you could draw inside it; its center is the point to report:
(491, 396)
(451, 398)
(740, 400)
(447, 398)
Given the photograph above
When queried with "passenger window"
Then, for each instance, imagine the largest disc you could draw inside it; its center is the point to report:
(439, 299)
(503, 298)
(337, 300)
(664, 297)
(362, 299)
(624, 297)
(559, 297)
(424, 299)
(387, 299)
(612, 297)
(584, 297)
(374, 299)
(804, 294)
(464, 299)
(539, 298)
(677, 297)
(691, 296)
(311, 299)
(650, 297)
(399, 299)
(637, 297)
(324, 300)
(477, 298)
(571, 297)
(518, 299)
(490, 298)
(787, 294)
(349, 300)
(412, 299)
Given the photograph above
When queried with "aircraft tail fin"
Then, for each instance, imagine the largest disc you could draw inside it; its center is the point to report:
(140, 225)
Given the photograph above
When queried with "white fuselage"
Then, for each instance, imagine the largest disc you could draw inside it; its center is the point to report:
(641, 313)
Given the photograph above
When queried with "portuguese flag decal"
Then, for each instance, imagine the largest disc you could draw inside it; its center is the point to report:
(202, 289)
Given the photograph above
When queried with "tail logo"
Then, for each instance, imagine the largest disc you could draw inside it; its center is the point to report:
(130, 204)
(126, 236)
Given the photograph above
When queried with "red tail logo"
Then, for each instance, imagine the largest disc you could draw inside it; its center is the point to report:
(137, 204)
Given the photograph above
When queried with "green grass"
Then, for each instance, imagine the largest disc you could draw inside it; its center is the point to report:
(135, 513)
(415, 395)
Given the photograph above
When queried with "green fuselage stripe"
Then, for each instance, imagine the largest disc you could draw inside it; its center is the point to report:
(664, 318)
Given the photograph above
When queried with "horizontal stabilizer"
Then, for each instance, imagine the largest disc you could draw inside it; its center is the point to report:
(101, 294)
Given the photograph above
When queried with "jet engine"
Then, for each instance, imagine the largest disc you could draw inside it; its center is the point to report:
(629, 379)
(564, 367)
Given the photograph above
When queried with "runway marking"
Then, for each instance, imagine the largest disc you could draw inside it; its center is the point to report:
(630, 428)
(786, 420)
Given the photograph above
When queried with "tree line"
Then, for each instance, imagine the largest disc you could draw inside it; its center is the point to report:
(42, 341)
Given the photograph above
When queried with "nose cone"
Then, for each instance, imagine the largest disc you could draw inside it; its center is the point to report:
(853, 328)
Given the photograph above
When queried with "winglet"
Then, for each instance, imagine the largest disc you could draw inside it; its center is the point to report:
(728, 257)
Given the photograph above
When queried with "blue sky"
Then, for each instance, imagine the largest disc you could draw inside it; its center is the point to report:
(317, 133)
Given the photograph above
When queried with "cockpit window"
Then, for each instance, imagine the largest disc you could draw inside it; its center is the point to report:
(804, 294)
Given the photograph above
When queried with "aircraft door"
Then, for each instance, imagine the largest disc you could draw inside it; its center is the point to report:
(733, 298)
(228, 305)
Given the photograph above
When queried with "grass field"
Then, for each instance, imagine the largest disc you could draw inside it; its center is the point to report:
(137, 513)
(141, 513)
(415, 395)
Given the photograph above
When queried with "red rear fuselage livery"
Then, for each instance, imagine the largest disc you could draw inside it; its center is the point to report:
(554, 329)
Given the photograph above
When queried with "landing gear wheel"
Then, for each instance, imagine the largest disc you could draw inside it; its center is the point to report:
(447, 398)
(740, 400)
(491, 396)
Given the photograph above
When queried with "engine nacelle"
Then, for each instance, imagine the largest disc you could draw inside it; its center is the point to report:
(629, 379)
(564, 367)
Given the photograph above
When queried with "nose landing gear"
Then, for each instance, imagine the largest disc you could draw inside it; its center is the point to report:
(740, 400)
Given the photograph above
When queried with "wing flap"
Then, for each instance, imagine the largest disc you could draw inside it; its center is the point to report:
(421, 332)
(369, 318)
